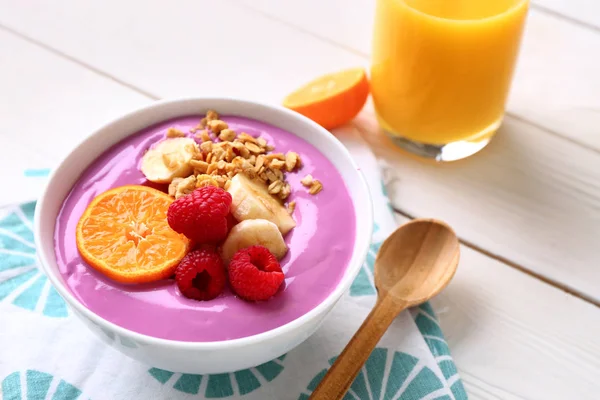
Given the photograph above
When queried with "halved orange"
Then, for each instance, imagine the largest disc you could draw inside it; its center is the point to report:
(124, 234)
(333, 99)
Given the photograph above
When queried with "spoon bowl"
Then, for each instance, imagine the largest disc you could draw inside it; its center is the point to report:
(414, 264)
(417, 261)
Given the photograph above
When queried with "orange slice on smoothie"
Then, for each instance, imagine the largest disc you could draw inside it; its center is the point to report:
(124, 234)
(333, 99)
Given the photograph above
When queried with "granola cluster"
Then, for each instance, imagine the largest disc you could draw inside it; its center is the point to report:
(216, 162)
(314, 185)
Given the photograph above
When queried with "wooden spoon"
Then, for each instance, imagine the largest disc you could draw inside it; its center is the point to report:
(414, 264)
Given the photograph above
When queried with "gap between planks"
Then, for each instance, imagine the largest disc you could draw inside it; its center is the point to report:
(572, 20)
(514, 265)
(469, 244)
(301, 29)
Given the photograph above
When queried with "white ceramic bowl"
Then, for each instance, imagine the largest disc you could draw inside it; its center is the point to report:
(201, 357)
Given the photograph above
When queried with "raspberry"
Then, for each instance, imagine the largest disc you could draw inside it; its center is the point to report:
(201, 215)
(201, 275)
(254, 273)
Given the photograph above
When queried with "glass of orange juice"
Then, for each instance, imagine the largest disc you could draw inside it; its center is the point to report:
(441, 71)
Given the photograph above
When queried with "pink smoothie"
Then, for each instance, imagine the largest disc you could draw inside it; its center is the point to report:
(320, 248)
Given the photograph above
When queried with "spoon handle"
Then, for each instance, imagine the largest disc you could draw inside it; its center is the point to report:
(340, 376)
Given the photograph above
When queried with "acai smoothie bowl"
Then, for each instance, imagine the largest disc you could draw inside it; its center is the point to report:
(204, 235)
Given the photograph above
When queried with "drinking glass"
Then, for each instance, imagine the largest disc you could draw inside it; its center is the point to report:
(441, 71)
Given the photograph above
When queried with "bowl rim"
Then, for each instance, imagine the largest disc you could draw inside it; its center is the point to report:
(360, 249)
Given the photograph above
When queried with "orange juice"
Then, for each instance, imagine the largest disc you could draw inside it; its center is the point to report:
(441, 69)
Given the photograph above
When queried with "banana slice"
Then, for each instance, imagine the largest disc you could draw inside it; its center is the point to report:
(169, 159)
(251, 200)
(253, 232)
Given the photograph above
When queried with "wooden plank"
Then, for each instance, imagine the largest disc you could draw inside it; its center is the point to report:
(556, 84)
(48, 104)
(514, 337)
(195, 48)
(529, 197)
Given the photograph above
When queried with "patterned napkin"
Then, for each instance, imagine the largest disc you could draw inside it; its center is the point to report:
(46, 353)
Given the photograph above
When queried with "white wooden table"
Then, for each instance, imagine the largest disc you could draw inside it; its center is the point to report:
(522, 315)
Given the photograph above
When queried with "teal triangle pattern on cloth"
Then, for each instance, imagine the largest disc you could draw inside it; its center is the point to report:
(376, 362)
(36, 385)
(428, 324)
(219, 386)
(188, 383)
(21, 282)
(388, 374)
